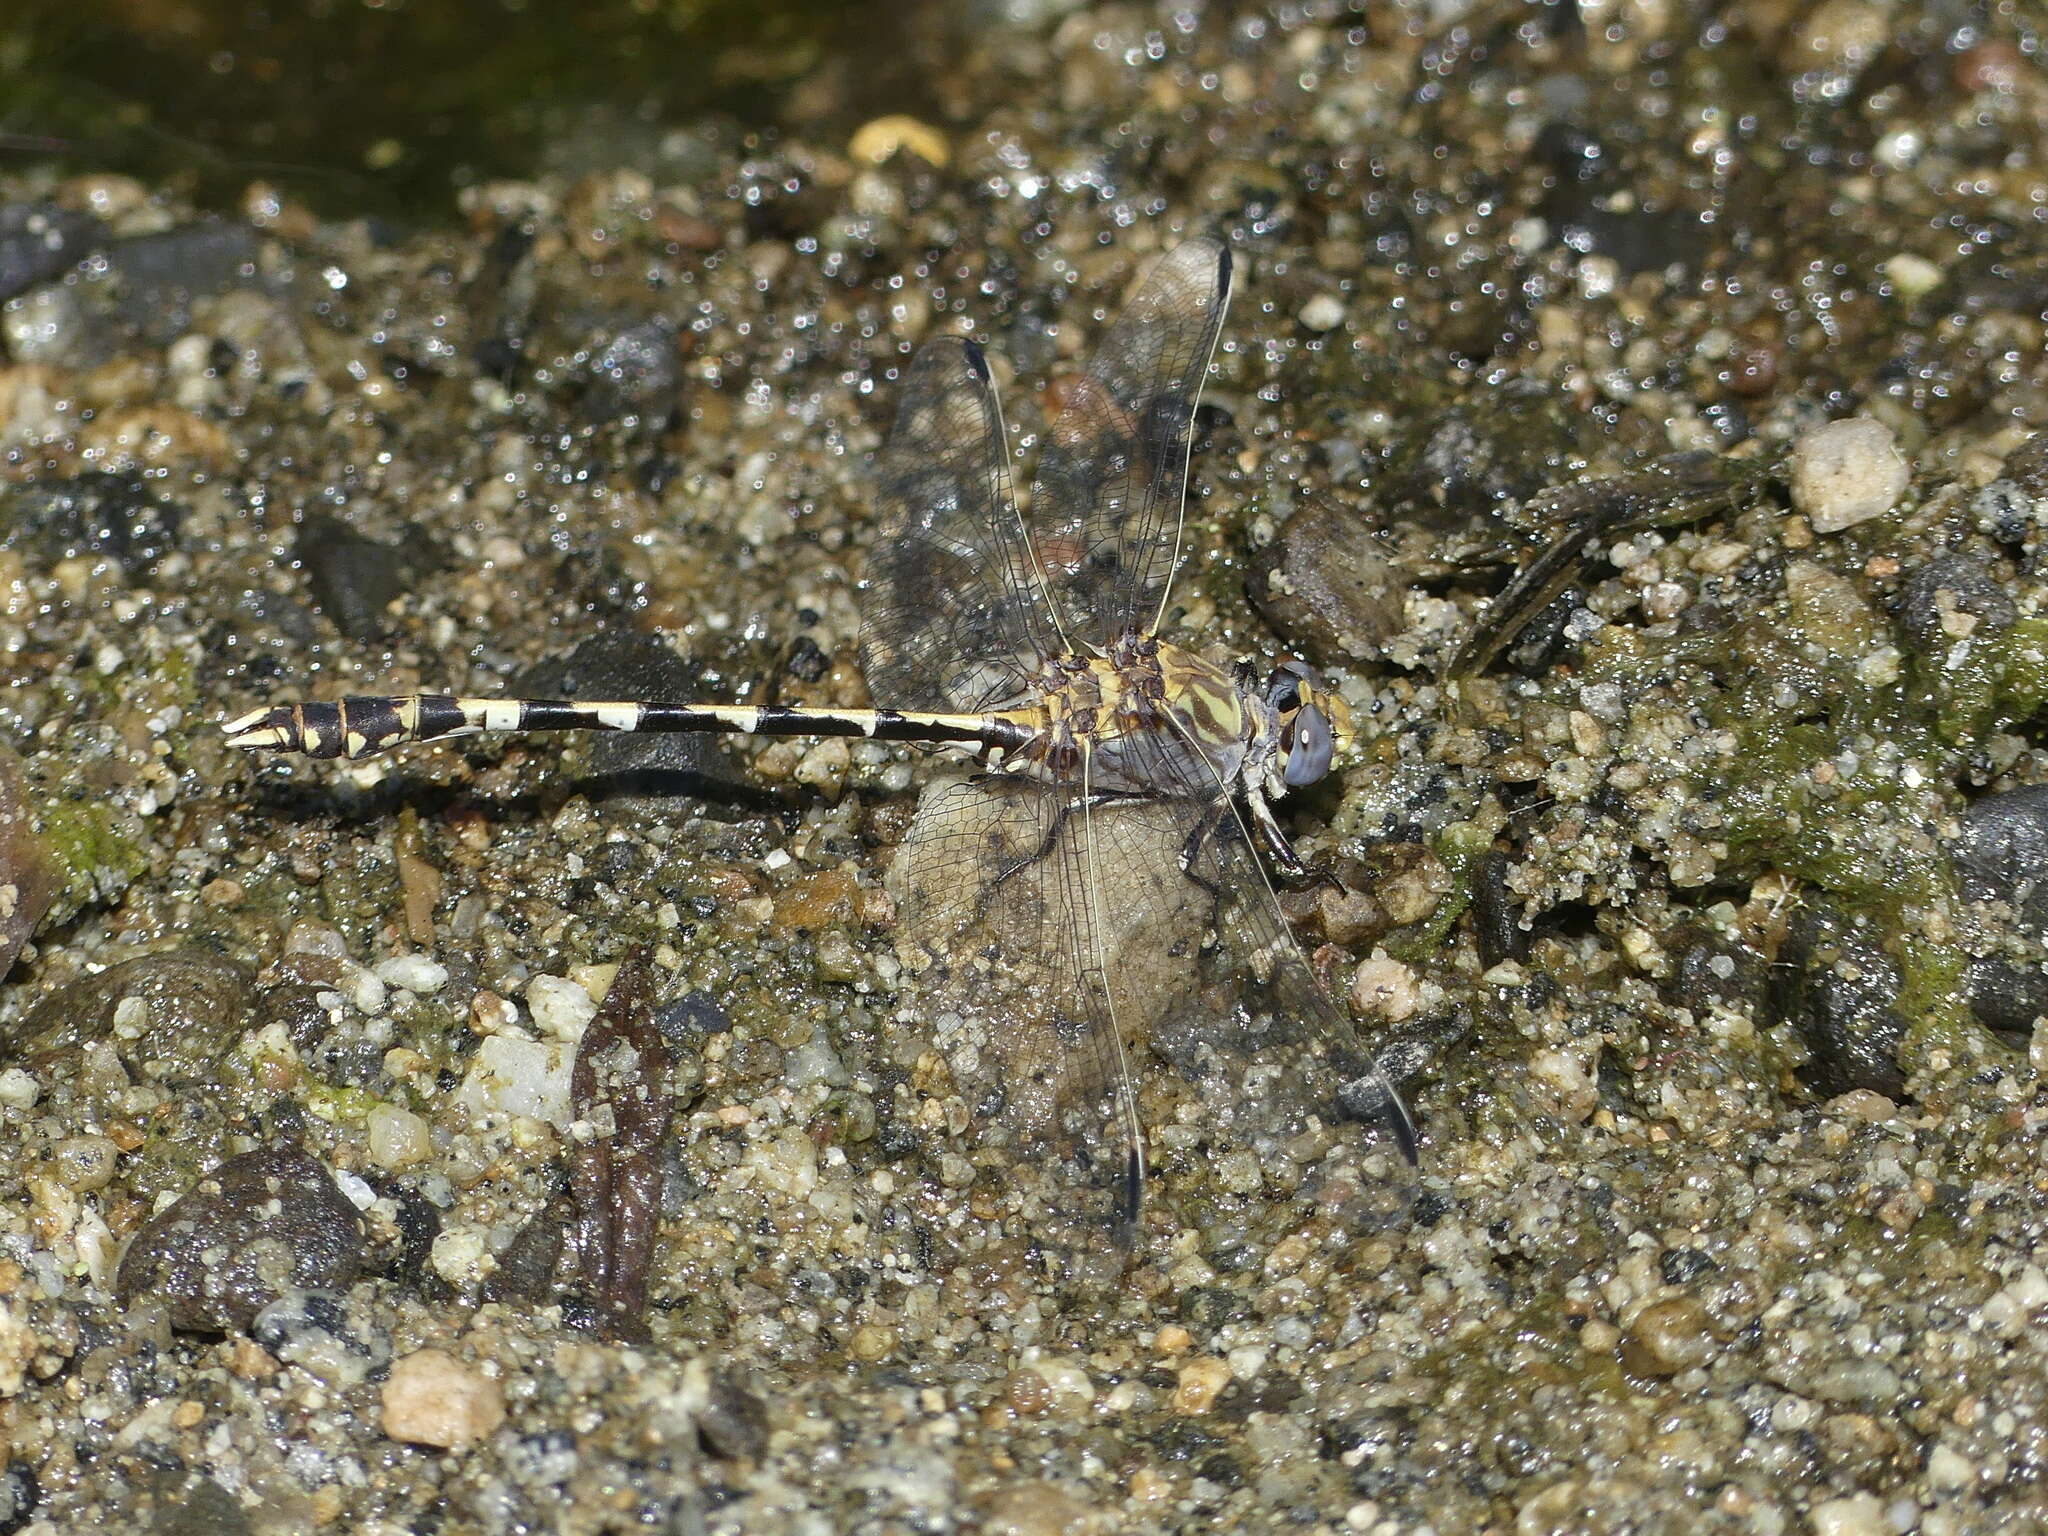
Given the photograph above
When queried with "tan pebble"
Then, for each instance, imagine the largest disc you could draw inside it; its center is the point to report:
(188, 1414)
(877, 140)
(1385, 988)
(1148, 1487)
(1862, 1104)
(1173, 1340)
(1200, 1383)
(1036, 1508)
(1029, 1393)
(1847, 472)
(872, 1341)
(398, 1138)
(250, 1361)
(432, 1398)
(1669, 1336)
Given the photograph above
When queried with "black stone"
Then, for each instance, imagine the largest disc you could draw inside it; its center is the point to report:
(260, 1224)
(1961, 583)
(1836, 988)
(2001, 855)
(353, 578)
(198, 1002)
(40, 240)
(628, 664)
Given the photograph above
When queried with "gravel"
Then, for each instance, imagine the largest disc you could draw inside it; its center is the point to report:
(1705, 908)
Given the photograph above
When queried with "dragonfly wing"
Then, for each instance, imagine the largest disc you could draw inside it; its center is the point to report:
(1040, 996)
(952, 616)
(1106, 507)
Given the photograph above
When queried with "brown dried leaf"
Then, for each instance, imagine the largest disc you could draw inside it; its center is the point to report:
(619, 1086)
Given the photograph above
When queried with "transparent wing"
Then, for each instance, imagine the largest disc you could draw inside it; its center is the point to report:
(995, 885)
(1072, 937)
(952, 616)
(1107, 504)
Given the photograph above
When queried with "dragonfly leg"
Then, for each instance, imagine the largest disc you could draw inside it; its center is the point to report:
(1284, 856)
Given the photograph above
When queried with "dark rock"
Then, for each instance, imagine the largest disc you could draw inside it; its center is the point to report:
(1835, 987)
(2001, 862)
(1682, 1266)
(1326, 586)
(114, 516)
(160, 275)
(198, 1506)
(195, 1004)
(1953, 597)
(1594, 206)
(733, 1421)
(258, 1226)
(2006, 996)
(639, 374)
(1496, 916)
(20, 1495)
(806, 662)
(312, 1330)
(40, 240)
(353, 578)
(1712, 972)
(28, 878)
(627, 664)
(526, 1269)
(2001, 855)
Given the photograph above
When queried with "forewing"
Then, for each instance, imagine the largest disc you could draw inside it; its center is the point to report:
(952, 617)
(1106, 507)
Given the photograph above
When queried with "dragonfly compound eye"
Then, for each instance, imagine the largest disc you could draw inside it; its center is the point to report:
(1284, 684)
(1310, 747)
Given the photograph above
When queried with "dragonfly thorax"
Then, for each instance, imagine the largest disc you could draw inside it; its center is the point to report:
(1148, 718)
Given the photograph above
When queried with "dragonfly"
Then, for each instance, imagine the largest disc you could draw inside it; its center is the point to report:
(1091, 887)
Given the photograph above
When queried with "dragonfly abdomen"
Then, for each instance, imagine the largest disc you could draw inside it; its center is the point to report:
(365, 726)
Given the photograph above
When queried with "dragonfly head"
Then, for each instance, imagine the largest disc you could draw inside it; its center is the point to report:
(1315, 724)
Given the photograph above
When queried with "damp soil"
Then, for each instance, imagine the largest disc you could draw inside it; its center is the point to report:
(1688, 883)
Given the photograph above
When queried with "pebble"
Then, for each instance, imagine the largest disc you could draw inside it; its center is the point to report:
(1199, 1383)
(352, 578)
(257, 1225)
(511, 1075)
(171, 1014)
(1861, 1514)
(398, 1138)
(432, 1398)
(1669, 1336)
(1385, 988)
(1324, 312)
(312, 1330)
(560, 1007)
(419, 974)
(1847, 472)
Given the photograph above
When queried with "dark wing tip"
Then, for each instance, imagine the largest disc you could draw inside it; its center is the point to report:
(1223, 268)
(1402, 1125)
(975, 358)
(1130, 1197)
